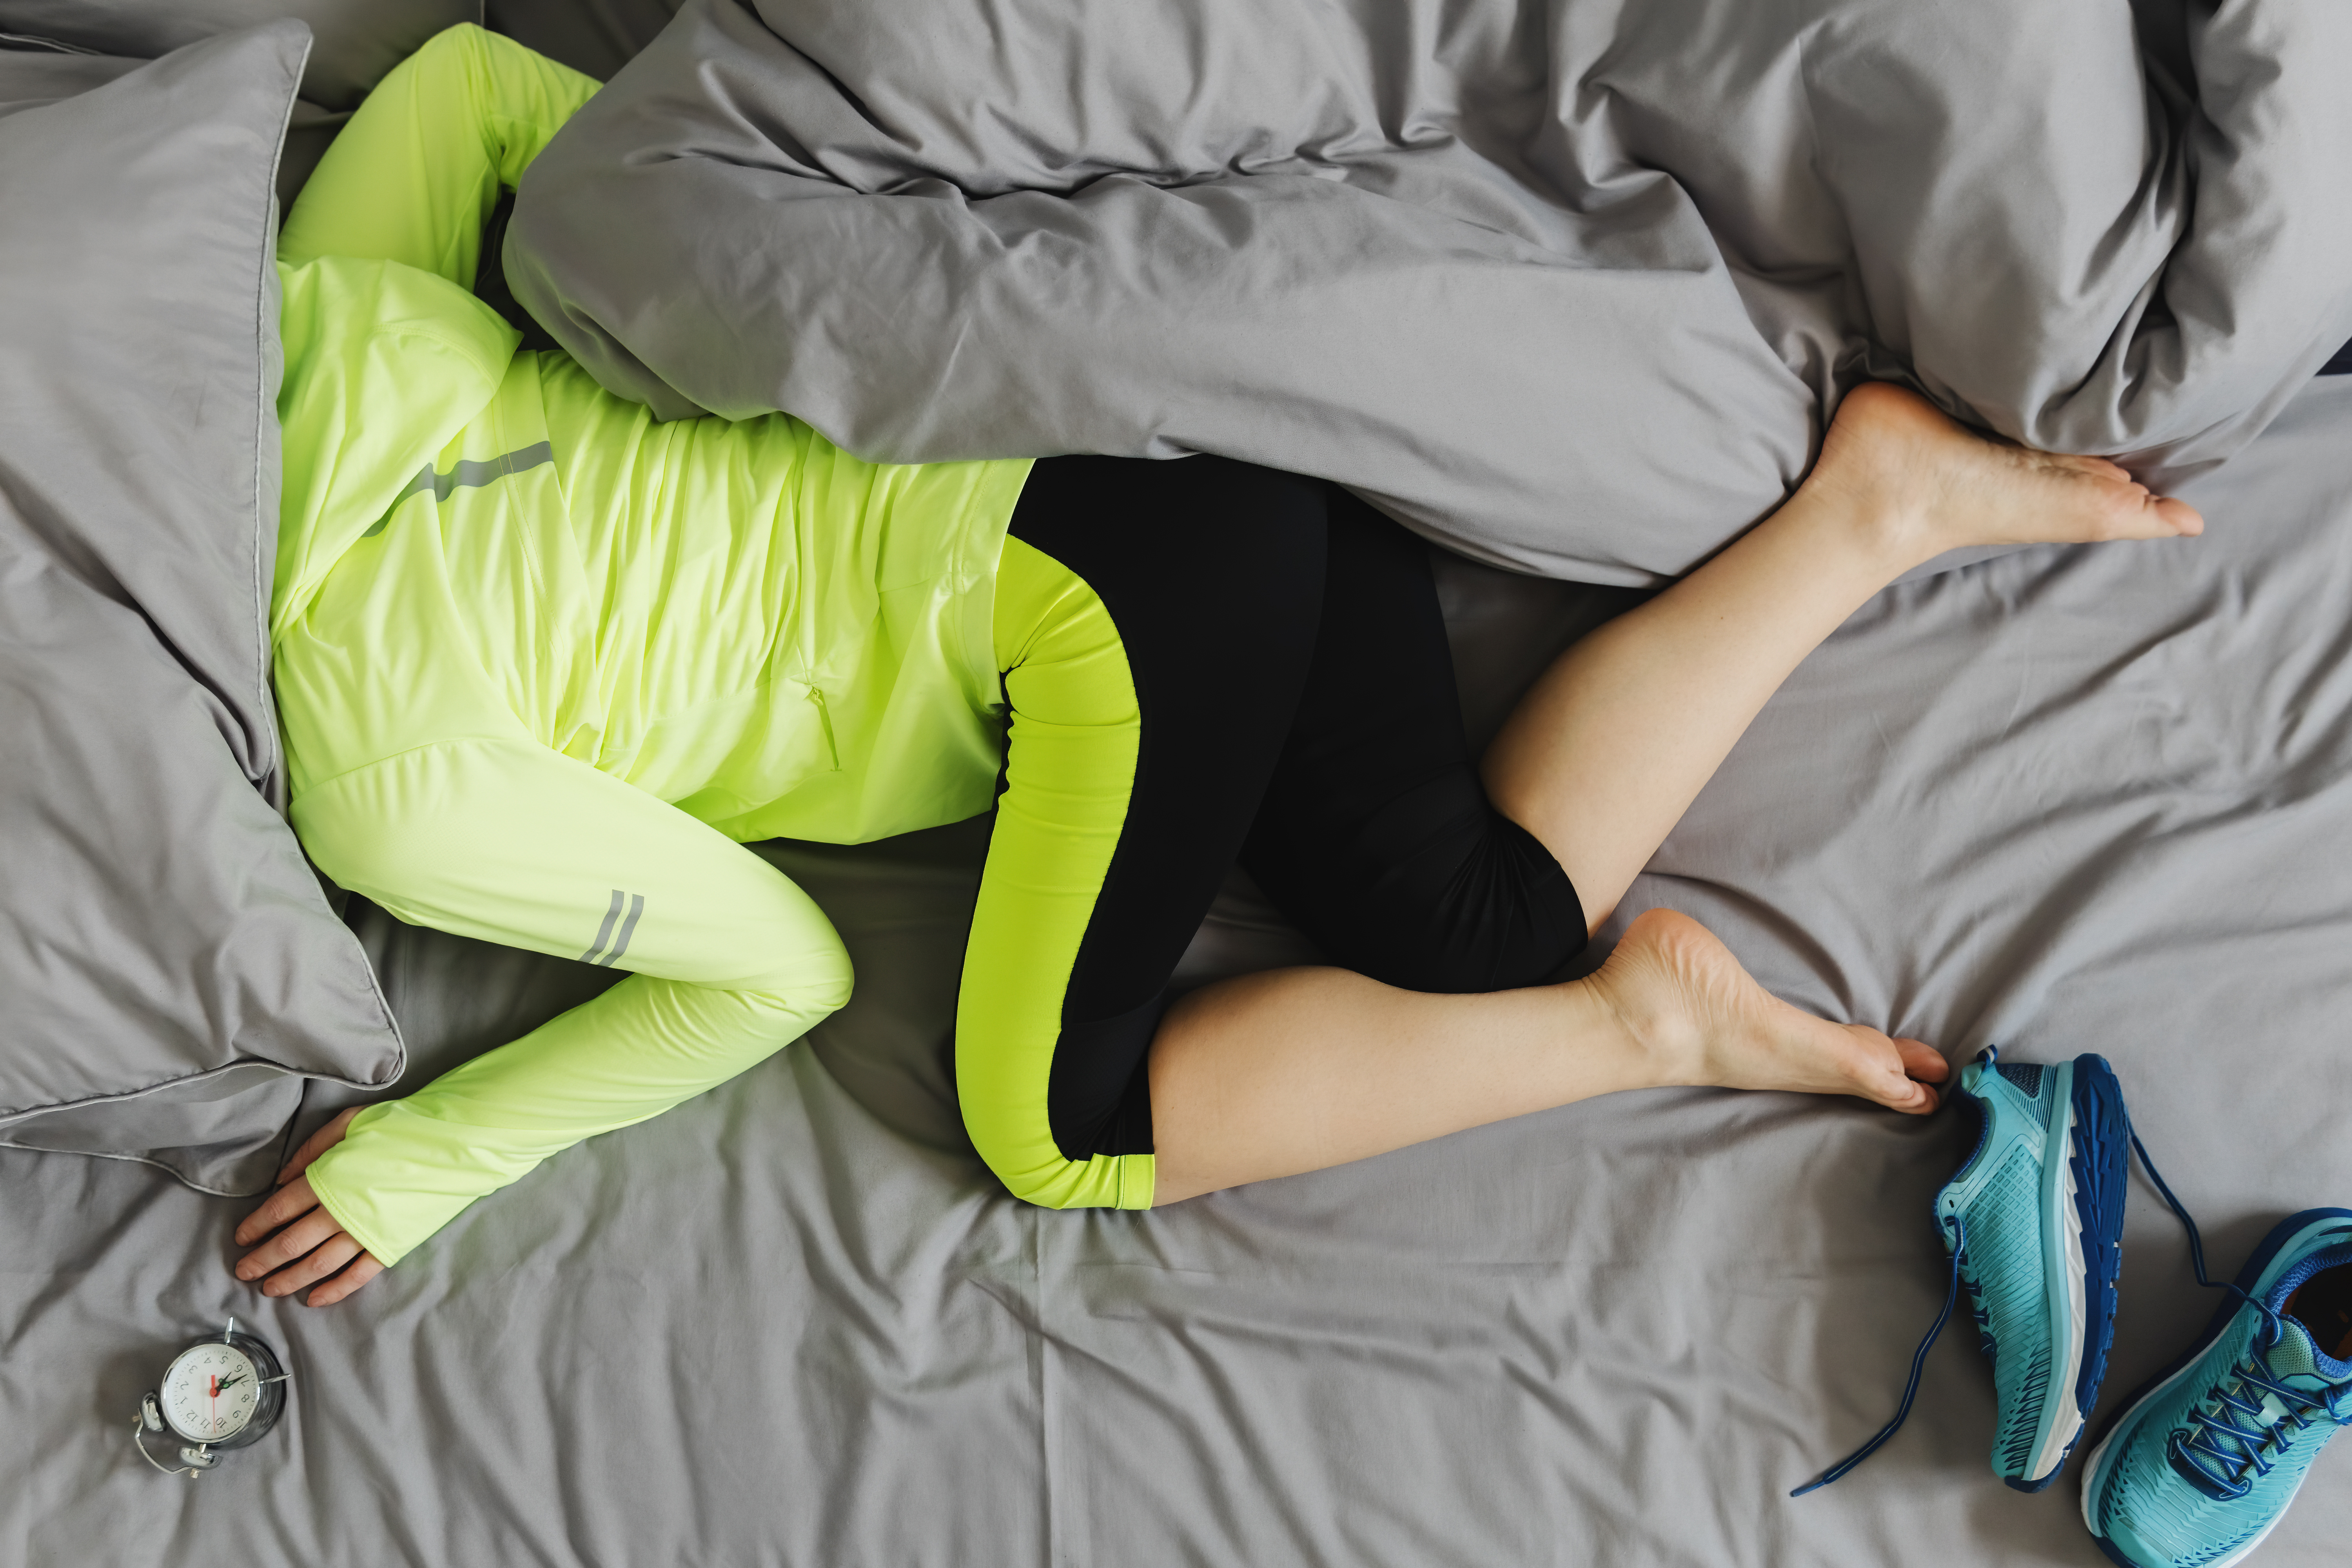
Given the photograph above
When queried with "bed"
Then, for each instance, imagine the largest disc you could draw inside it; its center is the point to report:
(2062, 801)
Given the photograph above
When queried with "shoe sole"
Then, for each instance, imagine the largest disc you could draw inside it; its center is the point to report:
(2289, 1234)
(2082, 1179)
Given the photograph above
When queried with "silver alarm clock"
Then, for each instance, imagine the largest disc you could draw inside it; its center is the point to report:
(221, 1393)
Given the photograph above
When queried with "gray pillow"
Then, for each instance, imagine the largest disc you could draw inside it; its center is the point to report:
(167, 958)
(33, 73)
(358, 40)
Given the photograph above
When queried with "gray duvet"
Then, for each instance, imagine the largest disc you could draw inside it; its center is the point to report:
(2066, 801)
(1565, 286)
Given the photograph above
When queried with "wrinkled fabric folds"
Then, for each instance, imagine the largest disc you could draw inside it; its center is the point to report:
(1565, 287)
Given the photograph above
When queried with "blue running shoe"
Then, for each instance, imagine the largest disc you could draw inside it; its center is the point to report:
(2204, 1460)
(2034, 1222)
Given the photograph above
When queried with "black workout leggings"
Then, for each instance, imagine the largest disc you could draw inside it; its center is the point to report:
(1298, 715)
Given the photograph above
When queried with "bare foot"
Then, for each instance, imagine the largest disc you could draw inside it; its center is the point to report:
(309, 1246)
(1680, 993)
(1894, 457)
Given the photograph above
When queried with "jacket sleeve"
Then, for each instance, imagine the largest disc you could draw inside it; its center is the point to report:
(413, 176)
(515, 843)
(376, 267)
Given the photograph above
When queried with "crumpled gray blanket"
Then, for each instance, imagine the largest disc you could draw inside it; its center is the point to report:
(1565, 286)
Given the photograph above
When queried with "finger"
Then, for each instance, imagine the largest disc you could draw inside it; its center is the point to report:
(287, 1245)
(2184, 521)
(313, 1266)
(318, 1144)
(344, 1284)
(294, 1198)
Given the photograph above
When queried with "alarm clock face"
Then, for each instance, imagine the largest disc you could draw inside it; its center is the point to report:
(210, 1392)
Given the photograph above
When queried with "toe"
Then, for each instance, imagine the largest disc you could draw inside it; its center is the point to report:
(1896, 1093)
(2141, 515)
(1923, 1061)
(1888, 1072)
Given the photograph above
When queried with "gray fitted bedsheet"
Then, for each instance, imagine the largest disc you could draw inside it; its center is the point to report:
(2066, 801)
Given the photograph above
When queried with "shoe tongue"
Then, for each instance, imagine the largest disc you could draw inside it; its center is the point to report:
(2296, 1361)
(2298, 1355)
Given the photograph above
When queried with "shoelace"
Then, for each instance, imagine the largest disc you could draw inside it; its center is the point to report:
(1968, 1283)
(2212, 1427)
(2198, 1445)
(1919, 1361)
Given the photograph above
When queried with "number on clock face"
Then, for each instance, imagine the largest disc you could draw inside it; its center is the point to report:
(210, 1392)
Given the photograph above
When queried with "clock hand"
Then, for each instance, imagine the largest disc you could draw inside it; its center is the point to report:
(230, 1381)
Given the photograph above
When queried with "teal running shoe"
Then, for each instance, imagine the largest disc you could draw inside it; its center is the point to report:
(2033, 1223)
(2202, 1462)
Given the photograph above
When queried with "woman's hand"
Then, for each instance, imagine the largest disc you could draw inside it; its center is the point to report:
(310, 1247)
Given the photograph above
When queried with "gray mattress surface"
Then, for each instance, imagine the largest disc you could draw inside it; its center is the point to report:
(2066, 801)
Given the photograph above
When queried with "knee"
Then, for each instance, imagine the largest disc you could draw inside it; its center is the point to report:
(1036, 1172)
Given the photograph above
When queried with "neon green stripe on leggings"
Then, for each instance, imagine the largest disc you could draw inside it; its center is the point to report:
(1069, 770)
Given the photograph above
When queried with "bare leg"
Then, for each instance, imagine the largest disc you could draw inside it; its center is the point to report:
(1604, 755)
(1298, 1069)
